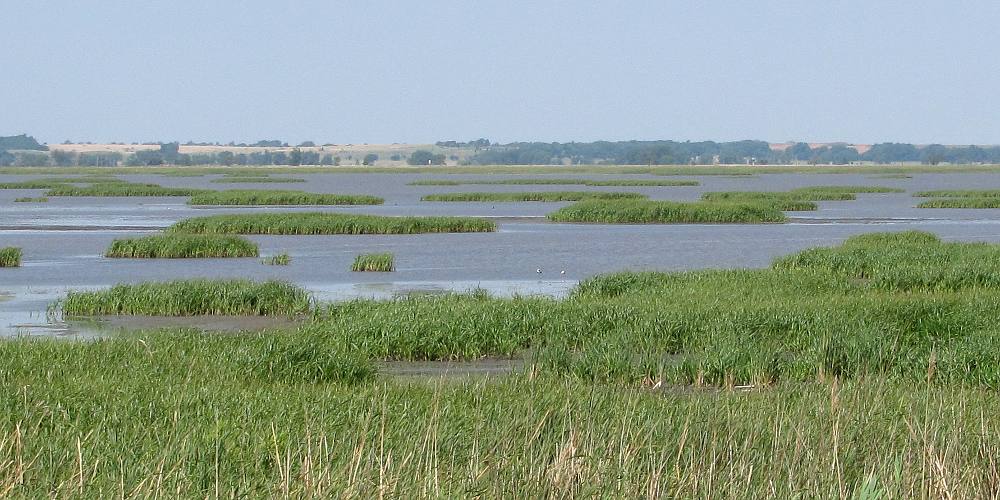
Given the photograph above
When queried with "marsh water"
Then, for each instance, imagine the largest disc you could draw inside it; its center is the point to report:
(63, 240)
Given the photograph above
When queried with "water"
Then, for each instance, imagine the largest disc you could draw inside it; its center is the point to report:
(63, 240)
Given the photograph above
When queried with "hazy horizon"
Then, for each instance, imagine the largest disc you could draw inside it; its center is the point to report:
(380, 72)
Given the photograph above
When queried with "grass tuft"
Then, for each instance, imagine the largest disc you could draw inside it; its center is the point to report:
(281, 259)
(279, 197)
(330, 223)
(115, 189)
(28, 199)
(568, 182)
(533, 196)
(191, 298)
(10, 257)
(373, 262)
(667, 212)
(182, 246)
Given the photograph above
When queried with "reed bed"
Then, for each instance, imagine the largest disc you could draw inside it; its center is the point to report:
(28, 199)
(182, 246)
(255, 180)
(533, 196)
(992, 202)
(281, 259)
(542, 182)
(279, 197)
(330, 223)
(668, 212)
(10, 257)
(115, 189)
(191, 298)
(812, 193)
(374, 262)
(959, 193)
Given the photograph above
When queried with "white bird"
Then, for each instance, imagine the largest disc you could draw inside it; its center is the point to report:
(539, 271)
(562, 272)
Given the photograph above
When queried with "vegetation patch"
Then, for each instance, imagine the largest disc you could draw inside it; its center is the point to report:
(959, 193)
(255, 180)
(182, 246)
(191, 298)
(279, 197)
(667, 212)
(534, 196)
(814, 193)
(961, 203)
(330, 223)
(281, 259)
(28, 199)
(374, 262)
(115, 189)
(10, 257)
(580, 182)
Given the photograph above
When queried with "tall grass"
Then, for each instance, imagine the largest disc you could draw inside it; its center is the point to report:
(281, 259)
(542, 181)
(256, 180)
(279, 197)
(812, 193)
(28, 199)
(533, 196)
(121, 189)
(182, 246)
(992, 202)
(959, 193)
(374, 262)
(191, 298)
(665, 212)
(329, 223)
(10, 257)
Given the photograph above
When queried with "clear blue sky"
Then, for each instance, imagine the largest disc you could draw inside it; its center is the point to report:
(380, 71)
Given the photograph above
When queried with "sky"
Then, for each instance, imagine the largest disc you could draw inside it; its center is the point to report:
(418, 72)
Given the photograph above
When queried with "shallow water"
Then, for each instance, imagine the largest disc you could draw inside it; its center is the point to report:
(63, 240)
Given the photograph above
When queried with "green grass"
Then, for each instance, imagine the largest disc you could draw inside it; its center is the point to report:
(121, 189)
(256, 180)
(374, 262)
(182, 246)
(959, 193)
(669, 212)
(581, 182)
(330, 223)
(28, 199)
(281, 259)
(813, 193)
(533, 196)
(54, 182)
(992, 202)
(10, 257)
(865, 370)
(191, 298)
(279, 197)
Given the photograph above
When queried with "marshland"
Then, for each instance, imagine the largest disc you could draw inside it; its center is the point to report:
(825, 336)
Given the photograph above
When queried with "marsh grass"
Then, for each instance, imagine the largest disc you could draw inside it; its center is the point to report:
(533, 196)
(281, 259)
(374, 262)
(114, 189)
(279, 197)
(812, 193)
(668, 212)
(10, 257)
(255, 180)
(182, 246)
(580, 182)
(959, 193)
(191, 298)
(28, 199)
(993, 202)
(305, 223)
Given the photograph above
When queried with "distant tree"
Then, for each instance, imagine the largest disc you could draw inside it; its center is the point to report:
(169, 151)
(20, 142)
(225, 158)
(63, 158)
(424, 157)
(800, 151)
(307, 144)
(370, 159)
(269, 144)
(295, 157)
(395, 157)
(30, 158)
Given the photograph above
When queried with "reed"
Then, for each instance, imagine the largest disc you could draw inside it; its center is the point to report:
(329, 223)
(28, 199)
(10, 257)
(812, 193)
(992, 202)
(959, 193)
(281, 259)
(182, 246)
(255, 180)
(533, 196)
(667, 212)
(115, 189)
(543, 181)
(191, 298)
(374, 262)
(279, 197)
